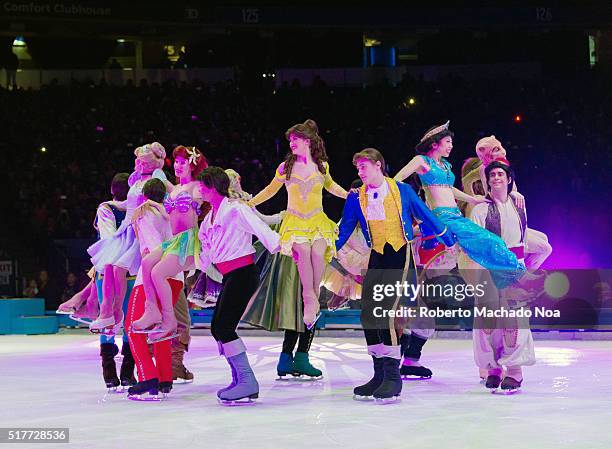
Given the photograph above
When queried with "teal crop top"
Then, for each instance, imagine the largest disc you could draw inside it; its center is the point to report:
(437, 175)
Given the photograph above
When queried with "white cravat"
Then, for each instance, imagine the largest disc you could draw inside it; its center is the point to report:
(376, 201)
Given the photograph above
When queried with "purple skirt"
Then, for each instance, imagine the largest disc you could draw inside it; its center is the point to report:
(120, 250)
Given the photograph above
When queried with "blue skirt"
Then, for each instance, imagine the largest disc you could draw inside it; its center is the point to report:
(482, 246)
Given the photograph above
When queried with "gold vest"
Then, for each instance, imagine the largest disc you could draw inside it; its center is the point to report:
(388, 230)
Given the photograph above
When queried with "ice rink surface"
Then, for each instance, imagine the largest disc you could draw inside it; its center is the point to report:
(566, 400)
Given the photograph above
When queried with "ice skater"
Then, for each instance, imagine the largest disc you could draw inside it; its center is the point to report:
(473, 178)
(503, 344)
(384, 209)
(277, 301)
(479, 246)
(152, 227)
(177, 254)
(226, 234)
(307, 234)
(117, 255)
(108, 219)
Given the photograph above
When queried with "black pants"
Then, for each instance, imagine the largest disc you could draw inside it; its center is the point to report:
(291, 338)
(379, 330)
(236, 291)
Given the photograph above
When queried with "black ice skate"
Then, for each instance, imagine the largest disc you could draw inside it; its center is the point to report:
(108, 351)
(415, 372)
(510, 385)
(365, 392)
(391, 386)
(145, 391)
(492, 382)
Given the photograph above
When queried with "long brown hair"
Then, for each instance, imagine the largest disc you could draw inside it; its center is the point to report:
(307, 130)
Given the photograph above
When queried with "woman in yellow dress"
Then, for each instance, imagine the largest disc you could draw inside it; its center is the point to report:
(307, 234)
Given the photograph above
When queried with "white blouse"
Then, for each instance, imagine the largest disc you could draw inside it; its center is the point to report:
(231, 234)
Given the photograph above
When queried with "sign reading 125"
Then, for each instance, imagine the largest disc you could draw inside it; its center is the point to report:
(250, 15)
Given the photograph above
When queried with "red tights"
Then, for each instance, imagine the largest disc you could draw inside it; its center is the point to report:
(162, 352)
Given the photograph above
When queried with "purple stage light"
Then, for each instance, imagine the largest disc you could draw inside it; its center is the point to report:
(99, 128)
(194, 117)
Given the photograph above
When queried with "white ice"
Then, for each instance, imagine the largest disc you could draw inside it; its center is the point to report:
(566, 400)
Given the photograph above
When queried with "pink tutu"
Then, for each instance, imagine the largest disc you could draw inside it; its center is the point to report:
(120, 250)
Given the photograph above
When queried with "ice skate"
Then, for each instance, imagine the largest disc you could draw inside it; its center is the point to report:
(410, 347)
(391, 387)
(510, 385)
(167, 330)
(284, 366)
(492, 382)
(201, 303)
(310, 326)
(246, 388)
(104, 326)
(415, 372)
(108, 326)
(234, 375)
(88, 311)
(304, 369)
(72, 305)
(311, 312)
(365, 392)
(165, 388)
(184, 377)
(337, 303)
(149, 321)
(108, 351)
(179, 372)
(147, 390)
(126, 373)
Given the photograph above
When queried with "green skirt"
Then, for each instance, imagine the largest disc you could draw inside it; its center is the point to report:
(183, 245)
(277, 302)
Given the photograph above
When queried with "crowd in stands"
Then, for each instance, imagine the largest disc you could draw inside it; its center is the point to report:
(61, 145)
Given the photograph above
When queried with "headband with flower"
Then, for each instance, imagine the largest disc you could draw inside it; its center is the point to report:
(193, 154)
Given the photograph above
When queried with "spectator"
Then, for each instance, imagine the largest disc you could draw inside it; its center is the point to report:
(70, 289)
(31, 291)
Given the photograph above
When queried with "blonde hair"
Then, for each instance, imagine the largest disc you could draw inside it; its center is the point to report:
(150, 157)
(235, 189)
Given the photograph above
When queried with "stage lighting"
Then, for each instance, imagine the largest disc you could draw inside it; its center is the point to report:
(120, 41)
(518, 118)
(43, 150)
(411, 101)
(556, 285)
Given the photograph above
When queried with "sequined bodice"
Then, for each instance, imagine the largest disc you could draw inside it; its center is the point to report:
(439, 174)
(182, 203)
(305, 196)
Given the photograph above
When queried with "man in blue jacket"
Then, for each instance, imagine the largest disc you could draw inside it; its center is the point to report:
(384, 209)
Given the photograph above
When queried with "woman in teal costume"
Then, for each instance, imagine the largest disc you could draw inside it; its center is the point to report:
(480, 245)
